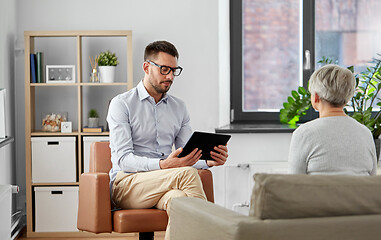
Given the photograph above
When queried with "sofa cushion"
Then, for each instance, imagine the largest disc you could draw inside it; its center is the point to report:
(279, 196)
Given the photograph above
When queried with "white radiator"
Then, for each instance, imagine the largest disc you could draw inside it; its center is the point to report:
(10, 225)
(5, 211)
(239, 182)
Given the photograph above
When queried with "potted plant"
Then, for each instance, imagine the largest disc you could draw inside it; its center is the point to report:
(107, 62)
(93, 118)
(298, 103)
(368, 86)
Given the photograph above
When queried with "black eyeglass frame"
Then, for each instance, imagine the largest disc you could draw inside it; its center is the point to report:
(171, 68)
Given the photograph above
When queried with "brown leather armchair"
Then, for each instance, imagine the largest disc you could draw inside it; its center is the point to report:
(94, 209)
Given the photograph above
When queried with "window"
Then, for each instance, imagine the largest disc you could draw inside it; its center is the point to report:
(348, 31)
(275, 46)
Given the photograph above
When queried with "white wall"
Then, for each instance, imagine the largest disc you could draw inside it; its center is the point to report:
(7, 153)
(7, 38)
(191, 25)
(200, 31)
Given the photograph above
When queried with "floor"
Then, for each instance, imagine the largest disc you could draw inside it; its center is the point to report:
(158, 236)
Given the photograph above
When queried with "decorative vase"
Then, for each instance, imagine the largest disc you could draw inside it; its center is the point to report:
(93, 122)
(107, 74)
(51, 122)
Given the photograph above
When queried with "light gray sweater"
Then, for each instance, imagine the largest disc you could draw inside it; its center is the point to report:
(332, 145)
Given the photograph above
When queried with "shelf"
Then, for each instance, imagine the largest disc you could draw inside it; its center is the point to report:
(107, 33)
(75, 98)
(104, 84)
(55, 184)
(53, 84)
(94, 133)
(53, 134)
(69, 134)
(76, 84)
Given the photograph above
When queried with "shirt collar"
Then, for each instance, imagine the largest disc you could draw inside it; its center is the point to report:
(143, 94)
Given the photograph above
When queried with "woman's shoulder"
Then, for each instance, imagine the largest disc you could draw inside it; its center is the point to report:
(337, 122)
(308, 126)
(318, 124)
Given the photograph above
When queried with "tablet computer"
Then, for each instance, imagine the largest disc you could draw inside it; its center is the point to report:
(204, 141)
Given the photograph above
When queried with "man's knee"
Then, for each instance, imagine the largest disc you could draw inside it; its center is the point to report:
(174, 193)
(189, 171)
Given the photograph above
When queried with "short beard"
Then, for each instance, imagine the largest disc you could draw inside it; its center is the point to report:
(158, 89)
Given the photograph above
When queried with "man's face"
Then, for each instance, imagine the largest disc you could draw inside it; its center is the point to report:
(158, 82)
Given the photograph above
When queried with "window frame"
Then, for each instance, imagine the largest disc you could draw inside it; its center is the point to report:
(236, 63)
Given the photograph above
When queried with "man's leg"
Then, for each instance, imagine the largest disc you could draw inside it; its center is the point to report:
(164, 204)
(156, 188)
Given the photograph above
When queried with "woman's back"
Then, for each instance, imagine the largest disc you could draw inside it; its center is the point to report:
(332, 145)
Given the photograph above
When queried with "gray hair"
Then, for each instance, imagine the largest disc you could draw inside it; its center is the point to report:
(334, 84)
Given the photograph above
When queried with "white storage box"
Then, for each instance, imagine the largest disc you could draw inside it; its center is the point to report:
(86, 149)
(56, 209)
(53, 159)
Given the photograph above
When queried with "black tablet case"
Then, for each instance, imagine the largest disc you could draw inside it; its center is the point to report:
(204, 141)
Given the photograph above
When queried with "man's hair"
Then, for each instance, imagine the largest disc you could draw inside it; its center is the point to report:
(154, 48)
(334, 84)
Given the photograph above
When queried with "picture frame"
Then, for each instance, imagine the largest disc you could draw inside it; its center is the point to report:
(66, 127)
(60, 74)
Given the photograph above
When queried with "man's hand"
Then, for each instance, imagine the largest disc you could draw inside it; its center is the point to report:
(219, 157)
(173, 161)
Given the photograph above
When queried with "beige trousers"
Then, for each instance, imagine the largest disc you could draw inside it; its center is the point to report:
(156, 188)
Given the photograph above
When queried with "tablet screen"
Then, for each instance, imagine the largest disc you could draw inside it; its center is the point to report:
(204, 141)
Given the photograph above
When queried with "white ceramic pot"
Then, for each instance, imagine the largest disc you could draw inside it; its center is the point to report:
(107, 74)
(92, 122)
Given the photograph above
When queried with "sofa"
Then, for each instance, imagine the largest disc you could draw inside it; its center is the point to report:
(288, 207)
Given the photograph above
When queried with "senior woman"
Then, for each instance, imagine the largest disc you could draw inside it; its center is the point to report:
(334, 143)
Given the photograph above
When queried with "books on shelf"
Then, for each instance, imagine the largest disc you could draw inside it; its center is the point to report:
(93, 129)
(36, 68)
(33, 75)
(39, 67)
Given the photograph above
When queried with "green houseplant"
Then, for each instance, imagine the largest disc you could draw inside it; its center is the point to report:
(298, 103)
(107, 59)
(107, 62)
(368, 86)
(93, 118)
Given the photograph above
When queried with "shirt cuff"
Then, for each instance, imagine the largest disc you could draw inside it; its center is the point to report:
(201, 164)
(154, 164)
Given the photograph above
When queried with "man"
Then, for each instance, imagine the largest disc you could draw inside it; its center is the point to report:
(145, 123)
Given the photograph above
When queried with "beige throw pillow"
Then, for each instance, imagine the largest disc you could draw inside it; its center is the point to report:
(279, 196)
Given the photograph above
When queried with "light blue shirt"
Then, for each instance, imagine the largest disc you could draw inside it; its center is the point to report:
(142, 132)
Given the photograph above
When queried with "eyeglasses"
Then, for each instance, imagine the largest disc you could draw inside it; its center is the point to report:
(165, 70)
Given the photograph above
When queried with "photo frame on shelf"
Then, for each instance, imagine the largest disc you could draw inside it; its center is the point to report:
(60, 73)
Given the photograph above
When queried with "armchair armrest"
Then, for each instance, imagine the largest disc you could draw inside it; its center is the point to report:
(94, 207)
(194, 218)
(207, 183)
